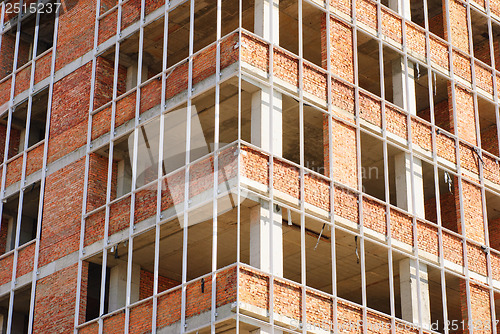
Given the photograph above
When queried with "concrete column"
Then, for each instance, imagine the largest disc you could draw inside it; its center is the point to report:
(261, 134)
(262, 247)
(262, 19)
(397, 6)
(123, 179)
(118, 285)
(404, 96)
(132, 75)
(409, 292)
(11, 234)
(402, 168)
(401, 97)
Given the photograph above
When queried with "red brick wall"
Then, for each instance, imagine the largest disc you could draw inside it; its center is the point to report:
(147, 281)
(442, 115)
(169, 309)
(450, 212)
(70, 107)
(7, 54)
(98, 178)
(140, 318)
(473, 212)
(103, 91)
(3, 235)
(494, 233)
(342, 54)
(466, 122)
(62, 212)
(75, 34)
(489, 139)
(55, 302)
(459, 35)
(344, 167)
(480, 307)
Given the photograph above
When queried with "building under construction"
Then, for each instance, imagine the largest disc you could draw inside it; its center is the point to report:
(249, 166)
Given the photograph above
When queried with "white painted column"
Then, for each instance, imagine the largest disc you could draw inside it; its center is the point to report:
(409, 292)
(404, 96)
(402, 168)
(263, 249)
(261, 132)
(401, 97)
(410, 275)
(262, 19)
(118, 285)
(261, 114)
(397, 6)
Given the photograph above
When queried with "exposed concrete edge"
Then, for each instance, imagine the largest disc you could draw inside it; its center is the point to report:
(340, 14)
(200, 320)
(370, 127)
(454, 267)
(44, 271)
(345, 114)
(396, 139)
(428, 256)
(366, 28)
(491, 185)
(286, 198)
(317, 211)
(483, 92)
(346, 223)
(402, 246)
(279, 319)
(478, 277)
(254, 71)
(375, 235)
(254, 185)
(447, 164)
(463, 82)
(421, 152)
